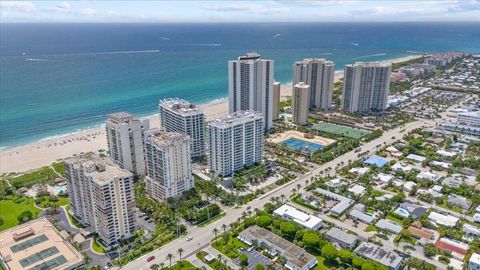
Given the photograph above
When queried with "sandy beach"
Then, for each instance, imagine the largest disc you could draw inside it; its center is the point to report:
(45, 152)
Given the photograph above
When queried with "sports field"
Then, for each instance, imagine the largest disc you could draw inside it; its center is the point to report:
(340, 130)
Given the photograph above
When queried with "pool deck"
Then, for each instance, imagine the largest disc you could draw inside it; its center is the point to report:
(278, 138)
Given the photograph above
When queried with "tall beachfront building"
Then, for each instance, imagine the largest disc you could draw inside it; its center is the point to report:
(235, 141)
(169, 166)
(366, 87)
(101, 196)
(250, 83)
(125, 141)
(300, 95)
(276, 100)
(178, 115)
(319, 74)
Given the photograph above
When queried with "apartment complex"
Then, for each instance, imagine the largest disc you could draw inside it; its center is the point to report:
(169, 166)
(125, 141)
(276, 100)
(235, 141)
(178, 115)
(300, 103)
(366, 87)
(37, 245)
(250, 86)
(319, 74)
(102, 196)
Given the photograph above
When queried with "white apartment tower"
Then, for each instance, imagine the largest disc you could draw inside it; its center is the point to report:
(276, 100)
(366, 87)
(102, 196)
(169, 166)
(319, 74)
(125, 134)
(235, 141)
(250, 83)
(300, 96)
(177, 115)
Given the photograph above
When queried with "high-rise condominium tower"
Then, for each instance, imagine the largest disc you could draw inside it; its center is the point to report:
(101, 195)
(235, 141)
(178, 115)
(125, 141)
(250, 82)
(169, 167)
(366, 87)
(300, 96)
(319, 74)
(276, 101)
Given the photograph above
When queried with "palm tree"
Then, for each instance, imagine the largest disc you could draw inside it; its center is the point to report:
(298, 187)
(162, 265)
(224, 227)
(170, 257)
(215, 231)
(282, 197)
(180, 251)
(219, 257)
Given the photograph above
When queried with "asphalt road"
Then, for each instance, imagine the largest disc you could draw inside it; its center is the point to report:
(203, 235)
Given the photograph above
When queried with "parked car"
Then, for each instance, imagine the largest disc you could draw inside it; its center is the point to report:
(151, 258)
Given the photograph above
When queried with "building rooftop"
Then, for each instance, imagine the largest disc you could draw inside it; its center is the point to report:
(293, 253)
(180, 106)
(250, 56)
(106, 170)
(306, 220)
(444, 220)
(421, 233)
(236, 118)
(341, 235)
(121, 117)
(370, 64)
(475, 259)
(162, 138)
(377, 161)
(379, 254)
(389, 226)
(37, 245)
(315, 60)
(452, 246)
(364, 217)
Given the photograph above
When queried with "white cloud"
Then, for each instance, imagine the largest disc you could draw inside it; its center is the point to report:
(87, 12)
(317, 2)
(252, 8)
(64, 7)
(18, 5)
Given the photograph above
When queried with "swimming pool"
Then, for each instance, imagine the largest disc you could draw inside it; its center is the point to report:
(302, 145)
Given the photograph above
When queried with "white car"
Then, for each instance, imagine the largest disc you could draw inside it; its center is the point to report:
(189, 238)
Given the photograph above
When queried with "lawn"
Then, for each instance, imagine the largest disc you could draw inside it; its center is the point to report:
(72, 219)
(215, 218)
(42, 175)
(96, 246)
(11, 207)
(215, 264)
(182, 265)
(394, 219)
(61, 201)
(324, 265)
(371, 228)
(345, 131)
(229, 248)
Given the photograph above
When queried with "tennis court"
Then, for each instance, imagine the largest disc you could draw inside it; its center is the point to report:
(301, 145)
(345, 131)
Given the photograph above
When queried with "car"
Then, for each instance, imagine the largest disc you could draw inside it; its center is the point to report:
(189, 238)
(248, 207)
(151, 258)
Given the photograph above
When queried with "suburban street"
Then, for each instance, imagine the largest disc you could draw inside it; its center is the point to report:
(201, 236)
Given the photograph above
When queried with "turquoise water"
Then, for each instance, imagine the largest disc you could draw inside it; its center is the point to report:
(302, 145)
(61, 78)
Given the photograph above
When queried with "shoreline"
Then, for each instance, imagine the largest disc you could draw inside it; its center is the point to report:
(55, 148)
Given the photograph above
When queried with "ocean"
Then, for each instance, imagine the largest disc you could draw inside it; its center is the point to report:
(61, 78)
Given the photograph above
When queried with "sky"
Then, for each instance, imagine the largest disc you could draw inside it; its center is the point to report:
(91, 11)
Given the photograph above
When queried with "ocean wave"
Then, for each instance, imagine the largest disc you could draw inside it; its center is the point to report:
(353, 43)
(114, 52)
(35, 59)
(165, 38)
(77, 131)
(203, 44)
(370, 55)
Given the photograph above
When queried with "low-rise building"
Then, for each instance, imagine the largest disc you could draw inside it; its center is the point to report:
(442, 219)
(307, 221)
(379, 254)
(37, 245)
(357, 190)
(471, 230)
(441, 164)
(296, 258)
(416, 158)
(456, 248)
(414, 210)
(402, 168)
(389, 226)
(459, 201)
(342, 238)
(424, 235)
(361, 216)
(409, 186)
(427, 175)
(343, 202)
(474, 262)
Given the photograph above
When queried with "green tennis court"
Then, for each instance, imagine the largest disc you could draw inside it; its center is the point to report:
(345, 131)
